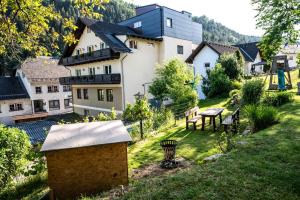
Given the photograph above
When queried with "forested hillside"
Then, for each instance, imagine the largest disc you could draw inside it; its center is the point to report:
(216, 32)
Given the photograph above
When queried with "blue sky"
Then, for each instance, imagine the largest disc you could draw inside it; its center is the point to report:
(235, 14)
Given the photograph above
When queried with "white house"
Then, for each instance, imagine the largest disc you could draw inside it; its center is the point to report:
(291, 51)
(205, 58)
(252, 57)
(111, 63)
(40, 77)
(14, 99)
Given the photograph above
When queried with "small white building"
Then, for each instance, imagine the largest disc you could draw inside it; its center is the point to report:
(40, 77)
(205, 58)
(291, 51)
(14, 100)
(252, 57)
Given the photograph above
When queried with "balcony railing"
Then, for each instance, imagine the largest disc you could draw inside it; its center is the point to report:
(99, 55)
(91, 79)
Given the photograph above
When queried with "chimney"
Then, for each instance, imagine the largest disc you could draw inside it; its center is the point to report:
(144, 9)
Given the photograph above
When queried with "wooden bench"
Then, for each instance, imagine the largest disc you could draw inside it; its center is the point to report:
(232, 120)
(192, 116)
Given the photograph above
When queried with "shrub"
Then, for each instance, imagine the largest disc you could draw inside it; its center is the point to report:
(261, 116)
(233, 93)
(162, 118)
(14, 146)
(217, 83)
(236, 85)
(232, 65)
(252, 91)
(277, 98)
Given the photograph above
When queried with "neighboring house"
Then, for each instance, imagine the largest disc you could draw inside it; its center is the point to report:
(252, 57)
(205, 58)
(291, 51)
(111, 63)
(40, 77)
(14, 99)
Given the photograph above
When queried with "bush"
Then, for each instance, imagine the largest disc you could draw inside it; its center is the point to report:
(162, 118)
(217, 83)
(14, 146)
(233, 93)
(232, 65)
(252, 91)
(277, 98)
(261, 116)
(236, 85)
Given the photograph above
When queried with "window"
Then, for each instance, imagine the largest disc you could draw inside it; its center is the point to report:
(179, 49)
(15, 107)
(92, 71)
(109, 95)
(103, 45)
(90, 50)
(137, 24)
(133, 44)
(169, 22)
(53, 88)
(54, 105)
(78, 93)
(88, 30)
(206, 65)
(78, 72)
(85, 94)
(100, 95)
(66, 88)
(67, 103)
(86, 112)
(291, 58)
(107, 69)
(38, 90)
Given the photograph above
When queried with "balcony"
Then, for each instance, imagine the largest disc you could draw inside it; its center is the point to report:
(92, 79)
(99, 55)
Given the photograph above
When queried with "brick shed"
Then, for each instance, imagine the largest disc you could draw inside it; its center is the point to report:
(86, 158)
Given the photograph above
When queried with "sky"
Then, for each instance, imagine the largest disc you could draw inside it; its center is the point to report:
(238, 15)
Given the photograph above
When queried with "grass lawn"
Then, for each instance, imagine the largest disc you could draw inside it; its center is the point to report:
(267, 167)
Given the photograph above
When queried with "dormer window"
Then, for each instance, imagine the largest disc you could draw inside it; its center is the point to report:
(90, 49)
(103, 45)
(133, 44)
(137, 24)
(88, 30)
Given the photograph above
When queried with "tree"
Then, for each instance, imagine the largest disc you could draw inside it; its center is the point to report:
(232, 65)
(176, 81)
(140, 111)
(24, 24)
(15, 146)
(278, 18)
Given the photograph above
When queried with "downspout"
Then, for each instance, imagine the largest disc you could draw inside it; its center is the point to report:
(122, 77)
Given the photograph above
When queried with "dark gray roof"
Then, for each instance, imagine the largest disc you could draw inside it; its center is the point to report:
(218, 48)
(106, 32)
(249, 50)
(36, 130)
(12, 88)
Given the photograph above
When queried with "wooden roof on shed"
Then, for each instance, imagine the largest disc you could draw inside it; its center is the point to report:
(78, 135)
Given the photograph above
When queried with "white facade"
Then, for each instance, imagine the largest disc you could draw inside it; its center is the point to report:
(258, 69)
(204, 57)
(6, 115)
(137, 68)
(291, 51)
(44, 98)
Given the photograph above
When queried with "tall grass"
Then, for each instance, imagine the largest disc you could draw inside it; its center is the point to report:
(260, 116)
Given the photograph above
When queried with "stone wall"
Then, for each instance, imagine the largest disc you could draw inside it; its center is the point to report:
(87, 170)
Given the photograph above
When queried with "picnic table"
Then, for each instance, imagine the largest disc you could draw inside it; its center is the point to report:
(212, 113)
